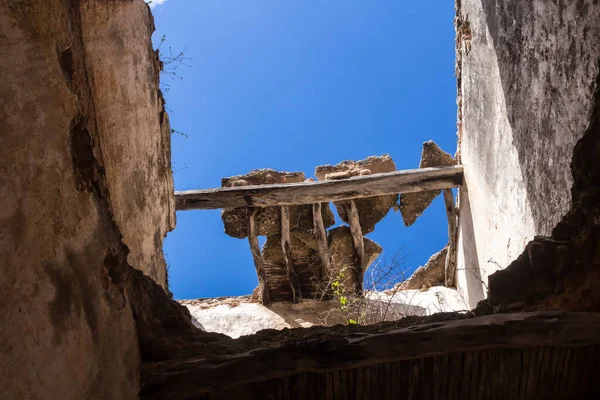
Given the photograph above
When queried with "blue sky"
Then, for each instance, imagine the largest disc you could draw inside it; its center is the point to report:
(290, 85)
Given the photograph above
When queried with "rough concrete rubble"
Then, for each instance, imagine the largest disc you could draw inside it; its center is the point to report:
(370, 210)
(268, 219)
(412, 205)
(429, 275)
(342, 254)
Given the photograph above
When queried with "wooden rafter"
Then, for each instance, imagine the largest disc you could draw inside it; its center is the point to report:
(321, 238)
(256, 255)
(359, 245)
(286, 249)
(415, 180)
(451, 213)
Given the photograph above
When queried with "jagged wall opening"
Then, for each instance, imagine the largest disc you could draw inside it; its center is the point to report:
(80, 321)
(317, 266)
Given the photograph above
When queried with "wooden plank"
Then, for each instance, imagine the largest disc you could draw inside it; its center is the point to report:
(258, 261)
(359, 246)
(415, 180)
(286, 249)
(436, 378)
(504, 331)
(344, 384)
(445, 372)
(451, 214)
(465, 386)
(321, 237)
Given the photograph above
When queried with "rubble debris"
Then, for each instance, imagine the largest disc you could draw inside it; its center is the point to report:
(429, 275)
(268, 219)
(412, 205)
(306, 262)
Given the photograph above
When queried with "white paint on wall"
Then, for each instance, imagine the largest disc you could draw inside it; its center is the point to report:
(526, 86)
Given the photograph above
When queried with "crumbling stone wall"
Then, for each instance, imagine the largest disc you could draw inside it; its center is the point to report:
(526, 72)
(87, 192)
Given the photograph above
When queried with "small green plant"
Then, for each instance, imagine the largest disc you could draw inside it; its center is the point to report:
(382, 298)
(349, 305)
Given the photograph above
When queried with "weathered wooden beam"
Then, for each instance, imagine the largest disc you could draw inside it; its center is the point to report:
(321, 238)
(414, 180)
(363, 348)
(286, 248)
(359, 246)
(258, 261)
(450, 268)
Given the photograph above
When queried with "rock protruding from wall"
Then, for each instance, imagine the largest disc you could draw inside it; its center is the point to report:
(429, 275)
(412, 205)
(370, 210)
(343, 256)
(268, 219)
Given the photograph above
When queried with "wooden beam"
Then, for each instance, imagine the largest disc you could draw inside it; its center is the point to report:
(321, 238)
(450, 268)
(361, 347)
(286, 248)
(415, 180)
(359, 246)
(258, 261)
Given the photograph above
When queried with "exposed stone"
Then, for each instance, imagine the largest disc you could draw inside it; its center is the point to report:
(306, 237)
(412, 205)
(268, 219)
(370, 210)
(342, 254)
(429, 275)
(306, 262)
(272, 252)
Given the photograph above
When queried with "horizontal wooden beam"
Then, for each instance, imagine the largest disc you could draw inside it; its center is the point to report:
(414, 180)
(364, 348)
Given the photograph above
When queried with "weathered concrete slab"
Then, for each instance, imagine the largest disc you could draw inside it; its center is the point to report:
(412, 205)
(370, 210)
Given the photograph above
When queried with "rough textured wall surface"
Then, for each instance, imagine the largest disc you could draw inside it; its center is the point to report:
(83, 155)
(132, 127)
(526, 75)
(561, 272)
